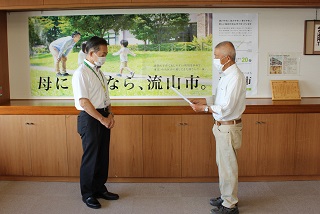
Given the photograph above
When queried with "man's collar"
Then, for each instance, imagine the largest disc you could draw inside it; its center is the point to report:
(229, 69)
(92, 65)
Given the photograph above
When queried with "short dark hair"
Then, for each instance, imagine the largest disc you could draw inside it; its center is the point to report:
(94, 43)
(83, 46)
(124, 42)
(75, 33)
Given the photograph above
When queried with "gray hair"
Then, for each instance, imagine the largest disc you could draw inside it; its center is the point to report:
(227, 49)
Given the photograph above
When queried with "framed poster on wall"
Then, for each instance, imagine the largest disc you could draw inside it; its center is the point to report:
(312, 37)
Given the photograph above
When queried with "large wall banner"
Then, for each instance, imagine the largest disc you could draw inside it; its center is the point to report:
(242, 30)
(166, 50)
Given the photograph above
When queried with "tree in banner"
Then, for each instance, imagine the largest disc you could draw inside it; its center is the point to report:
(159, 28)
(95, 25)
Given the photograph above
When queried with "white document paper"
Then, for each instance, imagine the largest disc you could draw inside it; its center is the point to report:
(177, 92)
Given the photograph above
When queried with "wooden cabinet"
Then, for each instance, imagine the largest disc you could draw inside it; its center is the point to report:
(307, 158)
(248, 153)
(33, 145)
(8, 3)
(265, 1)
(126, 157)
(74, 146)
(178, 146)
(198, 147)
(15, 156)
(177, 1)
(268, 145)
(276, 144)
(162, 146)
(47, 137)
(125, 146)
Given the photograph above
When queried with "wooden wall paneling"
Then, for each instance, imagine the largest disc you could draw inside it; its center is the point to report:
(198, 146)
(82, 2)
(162, 146)
(8, 3)
(4, 68)
(307, 158)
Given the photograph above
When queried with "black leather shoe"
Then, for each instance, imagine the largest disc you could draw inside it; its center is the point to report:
(217, 202)
(92, 202)
(107, 195)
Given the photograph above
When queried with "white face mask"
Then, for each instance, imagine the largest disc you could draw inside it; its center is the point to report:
(101, 60)
(218, 65)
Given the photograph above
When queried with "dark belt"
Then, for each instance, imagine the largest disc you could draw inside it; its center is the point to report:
(230, 122)
(103, 109)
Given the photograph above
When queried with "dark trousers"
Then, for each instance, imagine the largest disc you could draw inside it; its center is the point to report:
(95, 159)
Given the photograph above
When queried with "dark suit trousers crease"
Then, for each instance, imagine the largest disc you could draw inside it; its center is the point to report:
(95, 159)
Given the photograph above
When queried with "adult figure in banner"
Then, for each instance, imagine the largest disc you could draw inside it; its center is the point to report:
(91, 96)
(60, 49)
(228, 106)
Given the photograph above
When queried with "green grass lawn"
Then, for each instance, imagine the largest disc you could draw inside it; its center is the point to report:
(165, 64)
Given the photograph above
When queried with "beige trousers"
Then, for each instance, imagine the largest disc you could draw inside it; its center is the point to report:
(228, 140)
(55, 54)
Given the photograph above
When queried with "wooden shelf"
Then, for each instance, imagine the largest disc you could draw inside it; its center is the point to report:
(157, 107)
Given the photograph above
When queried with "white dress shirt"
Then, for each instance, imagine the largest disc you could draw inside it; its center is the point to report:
(86, 84)
(230, 100)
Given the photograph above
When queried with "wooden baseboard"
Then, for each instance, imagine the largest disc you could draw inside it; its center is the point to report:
(166, 180)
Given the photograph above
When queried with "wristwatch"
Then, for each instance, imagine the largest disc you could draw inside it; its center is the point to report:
(206, 109)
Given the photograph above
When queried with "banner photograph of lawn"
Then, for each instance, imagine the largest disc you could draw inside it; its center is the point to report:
(166, 50)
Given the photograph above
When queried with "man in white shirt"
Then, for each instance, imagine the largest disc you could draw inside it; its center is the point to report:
(95, 121)
(227, 109)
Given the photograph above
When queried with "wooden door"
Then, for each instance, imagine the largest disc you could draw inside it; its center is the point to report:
(126, 159)
(162, 146)
(276, 144)
(247, 154)
(74, 146)
(47, 137)
(307, 158)
(198, 146)
(15, 157)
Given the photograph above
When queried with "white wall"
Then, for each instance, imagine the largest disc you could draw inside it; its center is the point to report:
(280, 30)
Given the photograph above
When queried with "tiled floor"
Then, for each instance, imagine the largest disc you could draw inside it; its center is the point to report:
(294, 197)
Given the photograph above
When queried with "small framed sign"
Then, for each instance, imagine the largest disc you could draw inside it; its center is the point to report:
(285, 90)
(312, 37)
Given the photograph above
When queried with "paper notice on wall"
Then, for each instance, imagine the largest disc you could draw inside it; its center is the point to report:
(284, 64)
(242, 30)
